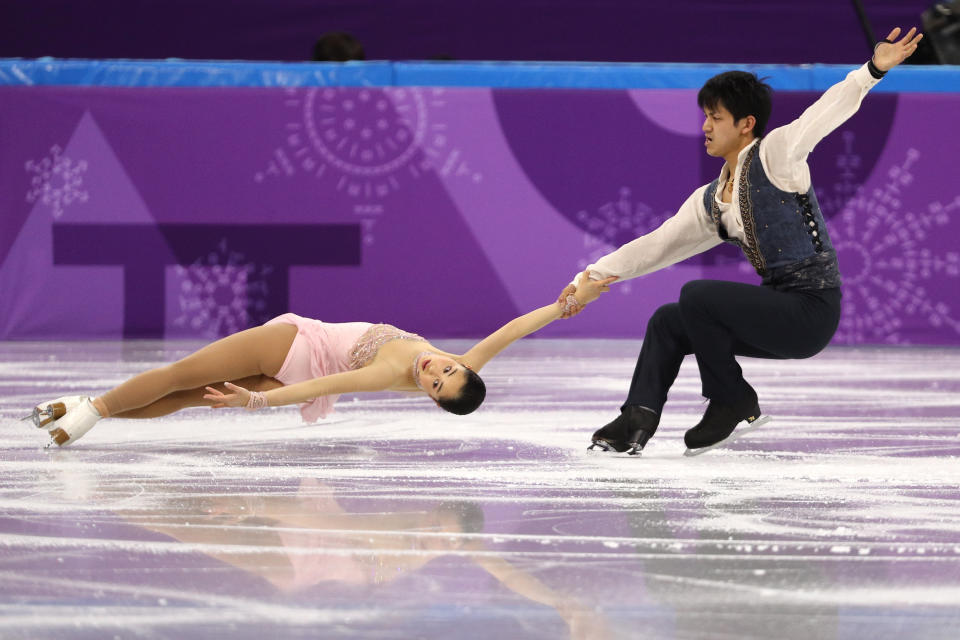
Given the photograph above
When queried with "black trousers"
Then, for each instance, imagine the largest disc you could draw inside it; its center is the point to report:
(716, 321)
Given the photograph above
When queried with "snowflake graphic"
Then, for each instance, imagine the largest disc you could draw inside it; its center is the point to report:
(221, 294)
(613, 224)
(847, 165)
(57, 181)
(366, 142)
(886, 268)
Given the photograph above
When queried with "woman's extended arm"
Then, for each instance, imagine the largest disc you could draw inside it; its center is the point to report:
(486, 349)
(585, 622)
(375, 377)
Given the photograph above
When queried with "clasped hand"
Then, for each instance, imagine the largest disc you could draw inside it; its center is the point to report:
(585, 291)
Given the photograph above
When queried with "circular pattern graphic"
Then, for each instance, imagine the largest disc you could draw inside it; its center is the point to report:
(366, 133)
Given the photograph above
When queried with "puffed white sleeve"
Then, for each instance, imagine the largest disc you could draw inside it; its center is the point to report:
(689, 232)
(784, 150)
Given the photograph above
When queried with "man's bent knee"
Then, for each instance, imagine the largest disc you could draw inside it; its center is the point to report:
(693, 290)
(665, 316)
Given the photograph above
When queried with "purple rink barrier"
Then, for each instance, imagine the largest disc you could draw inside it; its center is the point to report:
(195, 212)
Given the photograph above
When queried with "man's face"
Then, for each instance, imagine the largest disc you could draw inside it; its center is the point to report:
(722, 134)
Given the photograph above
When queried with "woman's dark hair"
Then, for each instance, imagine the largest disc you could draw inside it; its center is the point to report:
(469, 515)
(471, 395)
(742, 94)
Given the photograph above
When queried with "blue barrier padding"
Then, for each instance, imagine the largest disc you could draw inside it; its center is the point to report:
(574, 75)
(903, 79)
(515, 75)
(192, 73)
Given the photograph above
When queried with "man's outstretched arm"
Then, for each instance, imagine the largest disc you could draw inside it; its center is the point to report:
(785, 149)
(689, 232)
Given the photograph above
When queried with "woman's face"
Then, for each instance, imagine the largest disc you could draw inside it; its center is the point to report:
(441, 377)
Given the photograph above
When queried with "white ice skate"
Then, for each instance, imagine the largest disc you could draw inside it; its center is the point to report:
(74, 424)
(45, 414)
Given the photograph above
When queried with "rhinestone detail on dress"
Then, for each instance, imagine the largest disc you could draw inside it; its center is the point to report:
(372, 339)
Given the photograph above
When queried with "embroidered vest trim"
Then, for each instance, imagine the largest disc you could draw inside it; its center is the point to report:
(752, 248)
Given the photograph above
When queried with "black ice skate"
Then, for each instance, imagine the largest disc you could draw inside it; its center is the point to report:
(627, 433)
(45, 414)
(719, 421)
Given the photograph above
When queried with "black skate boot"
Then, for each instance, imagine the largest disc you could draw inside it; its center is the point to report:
(628, 432)
(720, 420)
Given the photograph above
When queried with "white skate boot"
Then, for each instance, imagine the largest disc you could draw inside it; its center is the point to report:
(46, 413)
(74, 424)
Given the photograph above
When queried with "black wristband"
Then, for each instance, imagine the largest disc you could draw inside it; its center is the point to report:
(882, 42)
(872, 68)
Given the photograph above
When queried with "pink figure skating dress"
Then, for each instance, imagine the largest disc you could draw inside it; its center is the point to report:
(325, 348)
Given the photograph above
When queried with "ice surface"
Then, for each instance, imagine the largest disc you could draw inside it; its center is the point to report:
(838, 519)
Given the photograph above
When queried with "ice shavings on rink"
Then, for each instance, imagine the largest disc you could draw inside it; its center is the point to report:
(838, 519)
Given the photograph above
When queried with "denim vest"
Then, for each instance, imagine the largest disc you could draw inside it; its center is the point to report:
(786, 238)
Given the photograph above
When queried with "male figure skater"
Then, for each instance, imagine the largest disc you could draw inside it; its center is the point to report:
(762, 202)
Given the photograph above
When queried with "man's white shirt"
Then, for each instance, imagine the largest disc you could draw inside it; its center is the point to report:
(783, 153)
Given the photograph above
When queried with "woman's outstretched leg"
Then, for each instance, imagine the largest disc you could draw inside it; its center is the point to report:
(173, 402)
(255, 354)
(259, 351)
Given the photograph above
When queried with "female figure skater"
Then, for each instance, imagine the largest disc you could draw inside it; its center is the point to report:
(292, 360)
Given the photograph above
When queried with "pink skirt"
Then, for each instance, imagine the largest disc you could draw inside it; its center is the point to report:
(320, 555)
(319, 349)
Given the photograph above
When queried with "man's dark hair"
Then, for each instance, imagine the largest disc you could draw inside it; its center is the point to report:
(742, 94)
(471, 395)
(337, 46)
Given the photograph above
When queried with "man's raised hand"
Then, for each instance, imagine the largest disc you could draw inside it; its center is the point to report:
(888, 54)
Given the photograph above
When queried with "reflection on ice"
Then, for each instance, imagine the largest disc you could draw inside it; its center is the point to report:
(391, 520)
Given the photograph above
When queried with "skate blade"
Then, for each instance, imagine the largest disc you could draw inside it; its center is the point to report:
(600, 452)
(736, 435)
(45, 417)
(611, 454)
